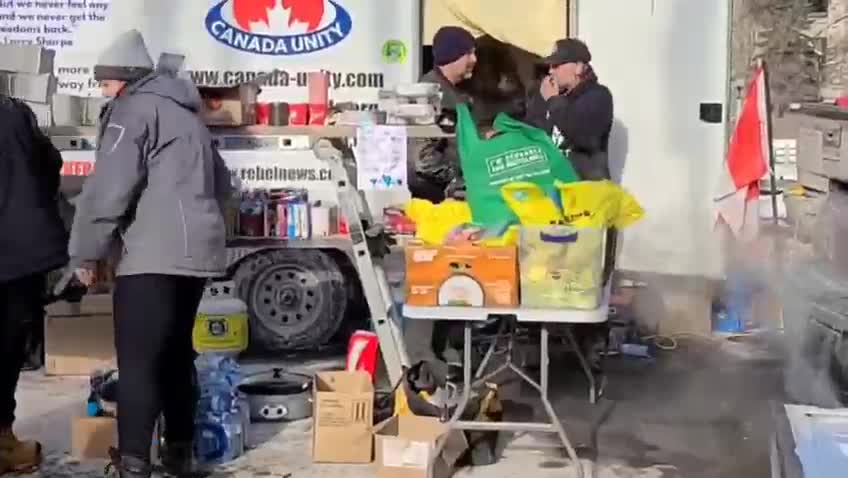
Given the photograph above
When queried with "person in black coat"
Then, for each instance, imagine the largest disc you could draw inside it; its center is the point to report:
(575, 109)
(33, 242)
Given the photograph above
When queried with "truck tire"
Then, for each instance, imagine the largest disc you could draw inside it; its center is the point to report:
(296, 298)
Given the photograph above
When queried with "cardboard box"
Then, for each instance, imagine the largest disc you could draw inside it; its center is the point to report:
(91, 437)
(406, 446)
(79, 337)
(91, 304)
(69, 110)
(26, 59)
(343, 418)
(814, 181)
(28, 87)
(463, 274)
(229, 105)
(43, 113)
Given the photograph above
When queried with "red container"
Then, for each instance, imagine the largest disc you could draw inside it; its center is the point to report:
(298, 114)
(362, 352)
(263, 113)
(318, 84)
(317, 115)
(252, 225)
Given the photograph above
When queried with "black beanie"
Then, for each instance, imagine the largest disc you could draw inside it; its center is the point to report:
(450, 44)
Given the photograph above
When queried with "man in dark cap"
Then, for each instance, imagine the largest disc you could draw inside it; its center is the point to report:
(575, 109)
(435, 171)
(577, 112)
(454, 59)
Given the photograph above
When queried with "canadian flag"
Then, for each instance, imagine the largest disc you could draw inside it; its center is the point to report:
(737, 202)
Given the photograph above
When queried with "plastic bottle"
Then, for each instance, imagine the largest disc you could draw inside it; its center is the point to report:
(243, 407)
(220, 427)
(235, 433)
(92, 407)
(211, 442)
(221, 325)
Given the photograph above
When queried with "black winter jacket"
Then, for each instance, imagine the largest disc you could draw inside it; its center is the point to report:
(33, 238)
(580, 124)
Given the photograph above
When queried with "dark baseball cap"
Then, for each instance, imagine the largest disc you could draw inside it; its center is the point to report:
(569, 50)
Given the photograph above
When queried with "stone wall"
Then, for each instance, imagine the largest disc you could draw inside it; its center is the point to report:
(782, 32)
(835, 69)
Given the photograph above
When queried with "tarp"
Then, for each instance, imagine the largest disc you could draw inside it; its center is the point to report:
(533, 26)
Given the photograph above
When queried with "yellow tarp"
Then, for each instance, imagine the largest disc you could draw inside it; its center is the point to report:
(533, 27)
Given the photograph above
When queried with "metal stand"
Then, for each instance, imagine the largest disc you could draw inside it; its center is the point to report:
(372, 276)
(553, 426)
(384, 315)
(565, 321)
(544, 317)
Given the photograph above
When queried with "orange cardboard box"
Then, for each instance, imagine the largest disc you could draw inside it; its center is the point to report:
(463, 274)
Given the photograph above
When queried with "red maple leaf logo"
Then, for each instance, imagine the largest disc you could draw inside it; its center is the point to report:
(252, 11)
(309, 12)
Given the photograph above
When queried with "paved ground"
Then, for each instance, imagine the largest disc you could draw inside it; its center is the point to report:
(699, 411)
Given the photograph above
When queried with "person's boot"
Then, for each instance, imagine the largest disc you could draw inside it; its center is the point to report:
(5, 466)
(16, 455)
(127, 466)
(177, 459)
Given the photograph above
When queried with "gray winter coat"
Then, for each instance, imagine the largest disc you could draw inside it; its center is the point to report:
(158, 186)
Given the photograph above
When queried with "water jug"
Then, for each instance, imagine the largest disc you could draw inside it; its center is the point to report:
(221, 324)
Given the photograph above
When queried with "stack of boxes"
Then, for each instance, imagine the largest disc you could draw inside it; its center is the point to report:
(403, 446)
(822, 146)
(26, 72)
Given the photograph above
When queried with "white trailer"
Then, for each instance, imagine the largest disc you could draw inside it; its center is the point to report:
(666, 62)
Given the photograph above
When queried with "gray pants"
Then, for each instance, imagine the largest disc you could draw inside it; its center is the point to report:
(427, 341)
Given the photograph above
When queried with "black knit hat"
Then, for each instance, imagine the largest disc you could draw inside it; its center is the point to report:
(450, 44)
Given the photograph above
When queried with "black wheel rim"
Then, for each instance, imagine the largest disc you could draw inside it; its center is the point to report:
(287, 299)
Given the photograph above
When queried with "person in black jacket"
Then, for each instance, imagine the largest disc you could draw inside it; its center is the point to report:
(574, 109)
(33, 241)
(577, 111)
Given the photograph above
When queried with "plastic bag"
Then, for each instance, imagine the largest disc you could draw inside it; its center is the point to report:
(531, 204)
(518, 153)
(450, 220)
(598, 204)
(434, 222)
(562, 267)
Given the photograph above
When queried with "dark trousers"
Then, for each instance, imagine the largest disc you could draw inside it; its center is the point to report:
(154, 316)
(21, 309)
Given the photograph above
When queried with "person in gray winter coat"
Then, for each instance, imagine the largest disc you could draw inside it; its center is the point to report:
(156, 198)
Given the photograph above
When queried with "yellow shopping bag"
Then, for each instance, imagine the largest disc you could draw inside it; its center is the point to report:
(433, 222)
(530, 203)
(598, 204)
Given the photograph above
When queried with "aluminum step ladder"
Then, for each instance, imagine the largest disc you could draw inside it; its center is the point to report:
(369, 245)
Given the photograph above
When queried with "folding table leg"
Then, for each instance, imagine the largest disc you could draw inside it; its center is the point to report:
(584, 364)
(552, 416)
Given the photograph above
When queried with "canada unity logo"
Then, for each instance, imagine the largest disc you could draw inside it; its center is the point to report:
(279, 27)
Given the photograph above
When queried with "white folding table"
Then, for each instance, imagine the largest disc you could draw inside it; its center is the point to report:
(544, 317)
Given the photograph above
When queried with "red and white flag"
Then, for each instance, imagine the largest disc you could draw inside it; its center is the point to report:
(737, 202)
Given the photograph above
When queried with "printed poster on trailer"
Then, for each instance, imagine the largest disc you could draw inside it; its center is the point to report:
(368, 44)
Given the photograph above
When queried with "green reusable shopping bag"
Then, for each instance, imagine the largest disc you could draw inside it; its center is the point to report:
(519, 152)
